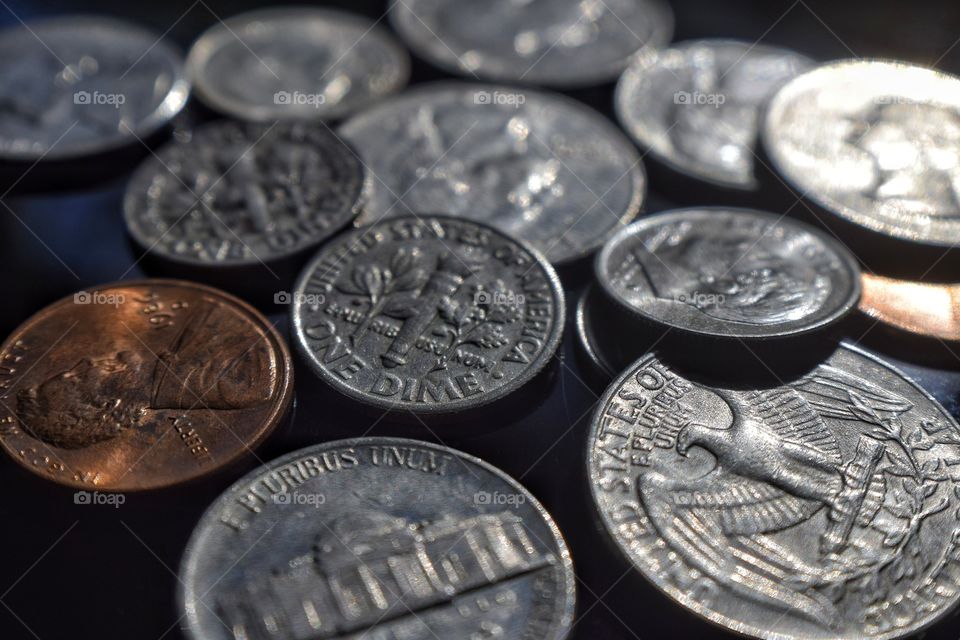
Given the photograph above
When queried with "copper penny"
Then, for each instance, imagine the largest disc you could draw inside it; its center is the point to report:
(925, 309)
(139, 385)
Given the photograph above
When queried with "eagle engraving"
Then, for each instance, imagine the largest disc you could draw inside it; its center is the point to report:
(777, 465)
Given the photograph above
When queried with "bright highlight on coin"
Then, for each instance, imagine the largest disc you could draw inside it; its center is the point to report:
(139, 385)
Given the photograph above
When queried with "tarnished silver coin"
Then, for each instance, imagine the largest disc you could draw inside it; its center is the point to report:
(696, 105)
(433, 315)
(376, 538)
(234, 194)
(823, 508)
(876, 143)
(729, 272)
(81, 85)
(538, 166)
(295, 63)
(551, 42)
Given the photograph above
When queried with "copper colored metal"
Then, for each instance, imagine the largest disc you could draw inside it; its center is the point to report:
(925, 309)
(139, 385)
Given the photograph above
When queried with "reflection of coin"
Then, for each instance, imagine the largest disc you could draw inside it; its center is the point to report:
(430, 314)
(876, 143)
(695, 105)
(82, 85)
(729, 272)
(235, 194)
(377, 537)
(536, 165)
(822, 508)
(918, 307)
(553, 42)
(299, 63)
(138, 385)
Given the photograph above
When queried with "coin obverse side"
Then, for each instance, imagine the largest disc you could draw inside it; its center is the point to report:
(563, 43)
(82, 85)
(729, 273)
(876, 143)
(696, 105)
(141, 384)
(430, 314)
(536, 165)
(824, 508)
(378, 537)
(236, 194)
(296, 63)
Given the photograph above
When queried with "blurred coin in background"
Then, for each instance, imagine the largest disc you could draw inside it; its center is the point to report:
(295, 63)
(921, 308)
(536, 165)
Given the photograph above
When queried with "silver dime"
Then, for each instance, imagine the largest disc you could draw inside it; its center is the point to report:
(429, 314)
(552, 42)
(296, 63)
(729, 272)
(876, 143)
(234, 194)
(538, 166)
(696, 105)
(79, 85)
(376, 538)
(826, 507)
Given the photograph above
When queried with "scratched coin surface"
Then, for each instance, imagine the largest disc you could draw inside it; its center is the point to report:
(233, 194)
(729, 272)
(696, 105)
(823, 508)
(376, 538)
(296, 63)
(553, 42)
(432, 315)
(141, 384)
(876, 143)
(77, 85)
(539, 166)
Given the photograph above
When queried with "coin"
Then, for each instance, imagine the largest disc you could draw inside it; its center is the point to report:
(536, 165)
(729, 272)
(82, 85)
(695, 106)
(379, 538)
(243, 194)
(138, 385)
(917, 307)
(821, 508)
(302, 63)
(431, 315)
(875, 143)
(564, 43)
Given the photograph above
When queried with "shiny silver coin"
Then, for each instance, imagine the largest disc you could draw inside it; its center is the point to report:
(561, 43)
(376, 538)
(696, 105)
(538, 166)
(432, 315)
(876, 143)
(296, 63)
(729, 272)
(822, 508)
(82, 85)
(234, 194)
